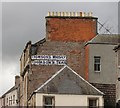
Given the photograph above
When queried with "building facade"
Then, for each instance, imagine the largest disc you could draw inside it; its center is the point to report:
(117, 51)
(101, 67)
(11, 97)
(66, 85)
(1, 102)
(71, 41)
(59, 46)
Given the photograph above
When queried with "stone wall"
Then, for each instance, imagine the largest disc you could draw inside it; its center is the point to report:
(110, 94)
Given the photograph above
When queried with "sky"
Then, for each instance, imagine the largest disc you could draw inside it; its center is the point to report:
(119, 17)
(24, 21)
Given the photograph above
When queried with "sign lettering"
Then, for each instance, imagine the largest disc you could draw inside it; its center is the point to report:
(48, 59)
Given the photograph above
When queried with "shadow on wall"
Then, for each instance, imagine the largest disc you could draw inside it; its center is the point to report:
(118, 104)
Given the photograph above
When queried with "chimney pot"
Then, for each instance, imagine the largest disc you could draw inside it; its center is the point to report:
(66, 13)
(81, 14)
(73, 13)
(85, 14)
(90, 14)
(56, 13)
(52, 13)
(70, 13)
(17, 80)
(48, 13)
(60, 13)
(77, 13)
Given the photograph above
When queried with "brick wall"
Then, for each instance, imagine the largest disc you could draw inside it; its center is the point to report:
(110, 94)
(71, 28)
(74, 52)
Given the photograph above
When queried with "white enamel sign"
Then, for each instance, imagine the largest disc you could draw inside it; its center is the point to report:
(48, 59)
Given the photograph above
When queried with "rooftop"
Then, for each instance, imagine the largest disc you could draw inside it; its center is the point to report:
(67, 81)
(10, 90)
(105, 39)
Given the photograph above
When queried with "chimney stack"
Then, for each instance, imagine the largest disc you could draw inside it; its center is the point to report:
(17, 80)
(63, 26)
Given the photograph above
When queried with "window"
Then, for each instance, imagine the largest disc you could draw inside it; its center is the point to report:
(93, 103)
(49, 101)
(118, 78)
(9, 101)
(13, 99)
(97, 63)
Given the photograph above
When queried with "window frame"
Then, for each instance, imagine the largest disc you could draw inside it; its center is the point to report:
(98, 64)
(94, 99)
(53, 101)
(9, 101)
(13, 99)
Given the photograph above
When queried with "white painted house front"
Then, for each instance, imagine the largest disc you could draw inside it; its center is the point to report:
(10, 98)
(1, 102)
(66, 88)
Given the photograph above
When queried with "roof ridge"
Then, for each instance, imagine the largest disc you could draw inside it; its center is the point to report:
(11, 89)
(74, 73)
(105, 39)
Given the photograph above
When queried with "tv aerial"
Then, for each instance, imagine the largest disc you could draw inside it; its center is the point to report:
(105, 29)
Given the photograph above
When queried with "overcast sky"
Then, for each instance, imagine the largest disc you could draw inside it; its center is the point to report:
(25, 21)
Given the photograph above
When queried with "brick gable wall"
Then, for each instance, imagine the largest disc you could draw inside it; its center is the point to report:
(74, 52)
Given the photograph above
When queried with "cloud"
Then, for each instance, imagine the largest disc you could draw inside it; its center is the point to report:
(7, 76)
(119, 17)
(26, 21)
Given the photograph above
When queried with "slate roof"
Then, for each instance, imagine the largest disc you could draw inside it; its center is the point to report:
(67, 81)
(105, 39)
(10, 90)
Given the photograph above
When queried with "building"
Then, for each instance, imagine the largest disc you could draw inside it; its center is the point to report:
(41, 60)
(73, 62)
(71, 43)
(11, 97)
(117, 51)
(66, 85)
(1, 102)
(101, 65)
